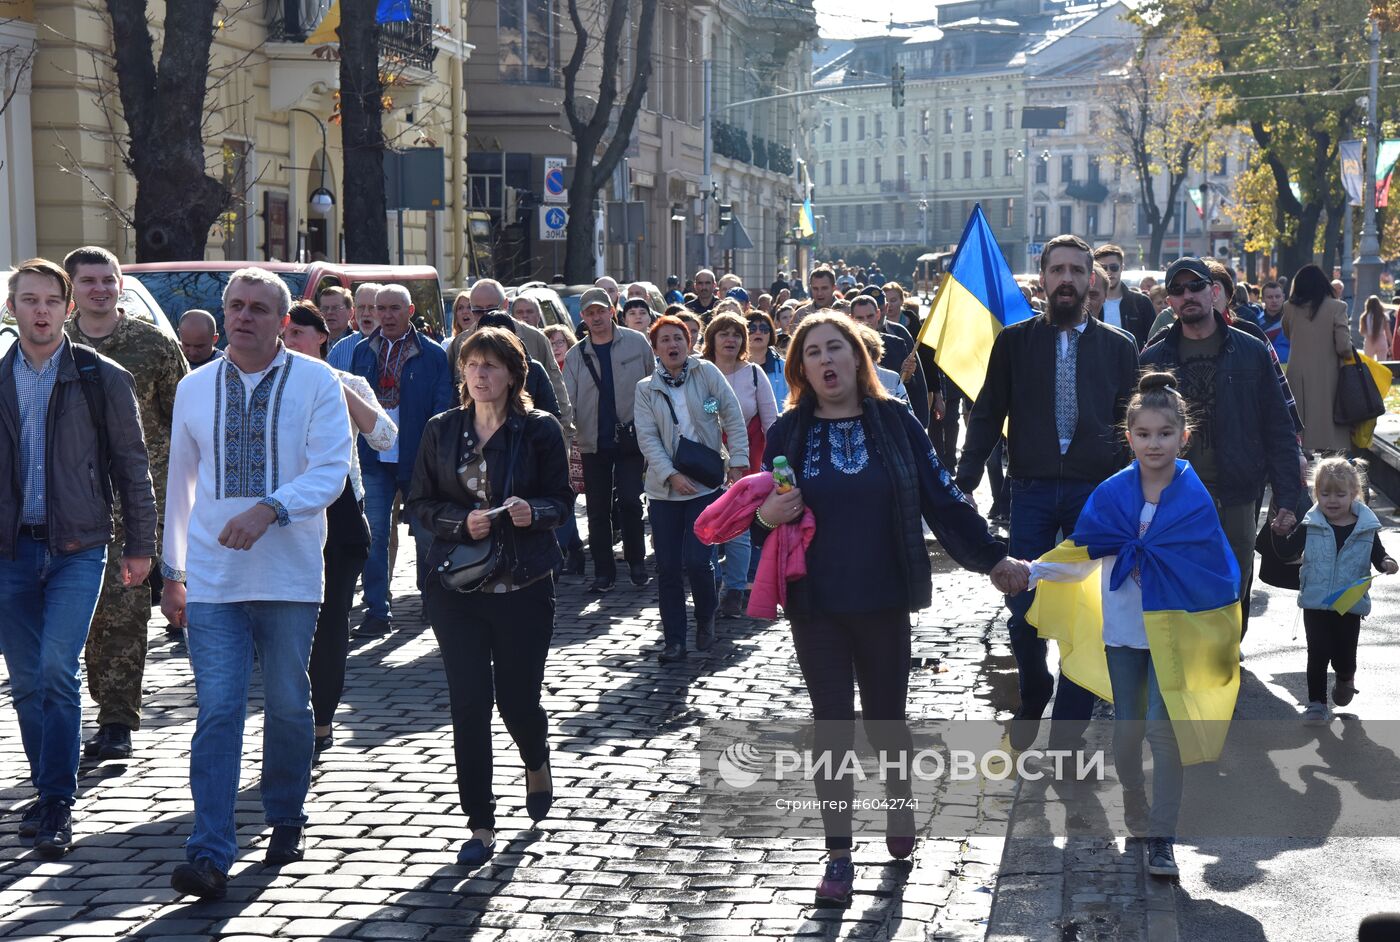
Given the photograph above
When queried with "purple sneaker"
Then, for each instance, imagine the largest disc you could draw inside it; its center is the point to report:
(835, 888)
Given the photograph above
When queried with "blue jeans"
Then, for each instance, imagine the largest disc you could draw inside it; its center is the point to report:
(1042, 510)
(49, 600)
(1138, 711)
(222, 640)
(381, 485)
(736, 563)
(680, 554)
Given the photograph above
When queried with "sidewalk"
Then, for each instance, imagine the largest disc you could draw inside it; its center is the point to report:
(616, 858)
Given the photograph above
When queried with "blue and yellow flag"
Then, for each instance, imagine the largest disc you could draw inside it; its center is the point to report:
(977, 298)
(386, 11)
(1345, 598)
(1190, 600)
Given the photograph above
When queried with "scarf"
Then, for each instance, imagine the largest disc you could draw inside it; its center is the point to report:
(392, 357)
(675, 382)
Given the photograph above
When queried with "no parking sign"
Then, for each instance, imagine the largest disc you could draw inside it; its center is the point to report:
(554, 189)
(554, 223)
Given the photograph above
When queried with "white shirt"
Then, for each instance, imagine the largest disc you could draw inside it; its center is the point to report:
(383, 436)
(1112, 312)
(287, 445)
(755, 393)
(1122, 608)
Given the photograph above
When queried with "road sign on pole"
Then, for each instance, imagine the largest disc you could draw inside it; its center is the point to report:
(554, 223)
(555, 190)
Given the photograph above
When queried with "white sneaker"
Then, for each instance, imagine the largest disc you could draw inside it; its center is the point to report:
(1317, 714)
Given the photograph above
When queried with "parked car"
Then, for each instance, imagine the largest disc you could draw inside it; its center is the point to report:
(571, 295)
(178, 286)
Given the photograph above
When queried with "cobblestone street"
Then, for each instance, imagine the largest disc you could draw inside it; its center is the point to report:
(622, 854)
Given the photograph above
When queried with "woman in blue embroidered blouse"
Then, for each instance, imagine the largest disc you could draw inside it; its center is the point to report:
(869, 474)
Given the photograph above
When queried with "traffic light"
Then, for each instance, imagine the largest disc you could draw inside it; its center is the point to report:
(726, 214)
(897, 86)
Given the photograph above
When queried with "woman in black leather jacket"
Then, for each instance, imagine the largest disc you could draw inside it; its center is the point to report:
(495, 451)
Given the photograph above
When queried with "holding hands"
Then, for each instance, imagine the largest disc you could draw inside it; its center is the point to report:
(1011, 576)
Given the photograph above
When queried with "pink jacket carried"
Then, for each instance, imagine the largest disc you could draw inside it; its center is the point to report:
(784, 556)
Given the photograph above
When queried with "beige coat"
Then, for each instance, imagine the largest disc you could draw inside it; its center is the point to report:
(1317, 345)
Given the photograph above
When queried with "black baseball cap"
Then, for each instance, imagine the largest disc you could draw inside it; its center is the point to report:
(1187, 263)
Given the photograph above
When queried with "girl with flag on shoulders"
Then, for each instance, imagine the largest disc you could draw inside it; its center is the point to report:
(1144, 602)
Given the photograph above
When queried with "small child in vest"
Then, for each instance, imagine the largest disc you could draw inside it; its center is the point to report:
(1339, 540)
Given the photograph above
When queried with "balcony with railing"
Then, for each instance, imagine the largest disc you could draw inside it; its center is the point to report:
(733, 142)
(405, 44)
(889, 237)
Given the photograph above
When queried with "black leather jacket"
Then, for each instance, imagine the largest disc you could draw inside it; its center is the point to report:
(438, 500)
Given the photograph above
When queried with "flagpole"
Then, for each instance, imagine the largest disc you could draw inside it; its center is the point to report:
(1368, 266)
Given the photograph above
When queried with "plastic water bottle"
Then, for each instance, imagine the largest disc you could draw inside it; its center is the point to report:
(782, 475)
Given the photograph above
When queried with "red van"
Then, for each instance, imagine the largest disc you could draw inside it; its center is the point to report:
(180, 286)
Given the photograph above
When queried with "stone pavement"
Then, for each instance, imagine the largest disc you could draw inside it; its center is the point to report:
(620, 856)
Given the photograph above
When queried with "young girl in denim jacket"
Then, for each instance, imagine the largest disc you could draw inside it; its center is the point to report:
(1339, 540)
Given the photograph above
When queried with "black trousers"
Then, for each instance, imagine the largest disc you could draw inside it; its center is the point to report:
(331, 643)
(1332, 639)
(494, 647)
(604, 471)
(836, 653)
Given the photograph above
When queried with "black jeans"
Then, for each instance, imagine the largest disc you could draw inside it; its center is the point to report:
(494, 647)
(837, 652)
(679, 553)
(1332, 639)
(332, 641)
(602, 472)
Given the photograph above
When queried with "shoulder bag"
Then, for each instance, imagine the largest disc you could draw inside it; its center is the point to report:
(470, 563)
(626, 431)
(1357, 398)
(701, 463)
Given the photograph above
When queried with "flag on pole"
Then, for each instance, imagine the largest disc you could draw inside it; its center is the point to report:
(977, 298)
(388, 11)
(806, 225)
(1346, 597)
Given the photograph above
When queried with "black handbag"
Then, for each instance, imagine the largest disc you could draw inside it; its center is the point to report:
(470, 564)
(1357, 399)
(626, 432)
(1276, 569)
(701, 463)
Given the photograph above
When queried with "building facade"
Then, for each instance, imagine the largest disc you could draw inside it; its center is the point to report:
(271, 132)
(517, 129)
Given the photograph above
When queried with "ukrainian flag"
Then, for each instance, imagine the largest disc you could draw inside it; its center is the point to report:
(1190, 599)
(978, 297)
(387, 11)
(1345, 598)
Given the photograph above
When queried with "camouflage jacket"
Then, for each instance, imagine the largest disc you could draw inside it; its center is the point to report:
(157, 364)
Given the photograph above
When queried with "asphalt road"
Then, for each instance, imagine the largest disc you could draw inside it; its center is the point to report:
(1315, 887)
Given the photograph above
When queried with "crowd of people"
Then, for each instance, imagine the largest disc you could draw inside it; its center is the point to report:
(268, 476)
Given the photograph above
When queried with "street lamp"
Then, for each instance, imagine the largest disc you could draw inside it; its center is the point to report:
(1368, 266)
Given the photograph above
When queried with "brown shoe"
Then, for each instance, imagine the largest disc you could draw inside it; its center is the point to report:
(733, 604)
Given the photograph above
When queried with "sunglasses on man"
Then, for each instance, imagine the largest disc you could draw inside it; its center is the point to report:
(1177, 289)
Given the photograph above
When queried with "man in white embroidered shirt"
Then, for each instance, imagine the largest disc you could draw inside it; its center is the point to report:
(260, 446)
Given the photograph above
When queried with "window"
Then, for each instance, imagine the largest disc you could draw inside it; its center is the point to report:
(826, 173)
(1040, 222)
(845, 173)
(923, 166)
(1142, 223)
(923, 121)
(945, 214)
(1066, 218)
(526, 41)
(899, 167)
(860, 217)
(1009, 219)
(967, 119)
(1010, 116)
(948, 165)
(899, 124)
(877, 217)
(1093, 171)
(235, 217)
(879, 127)
(860, 170)
(1067, 172)
(967, 165)
(989, 117)
(878, 175)
(1042, 172)
(947, 120)
(1223, 168)
(1009, 163)
(1091, 220)
(843, 219)
(860, 128)
(845, 130)
(986, 163)
(899, 215)
(826, 132)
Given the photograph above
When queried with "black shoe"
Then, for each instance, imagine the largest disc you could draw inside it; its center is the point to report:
(732, 605)
(574, 564)
(1161, 862)
(705, 635)
(672, 653)
(201, 879)
(112, 741)
(55, 835)
(600, 585)
(537, 804)
(321, 745)
(30, 819)
(374, 627)
(640, 576)
(286, 846)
